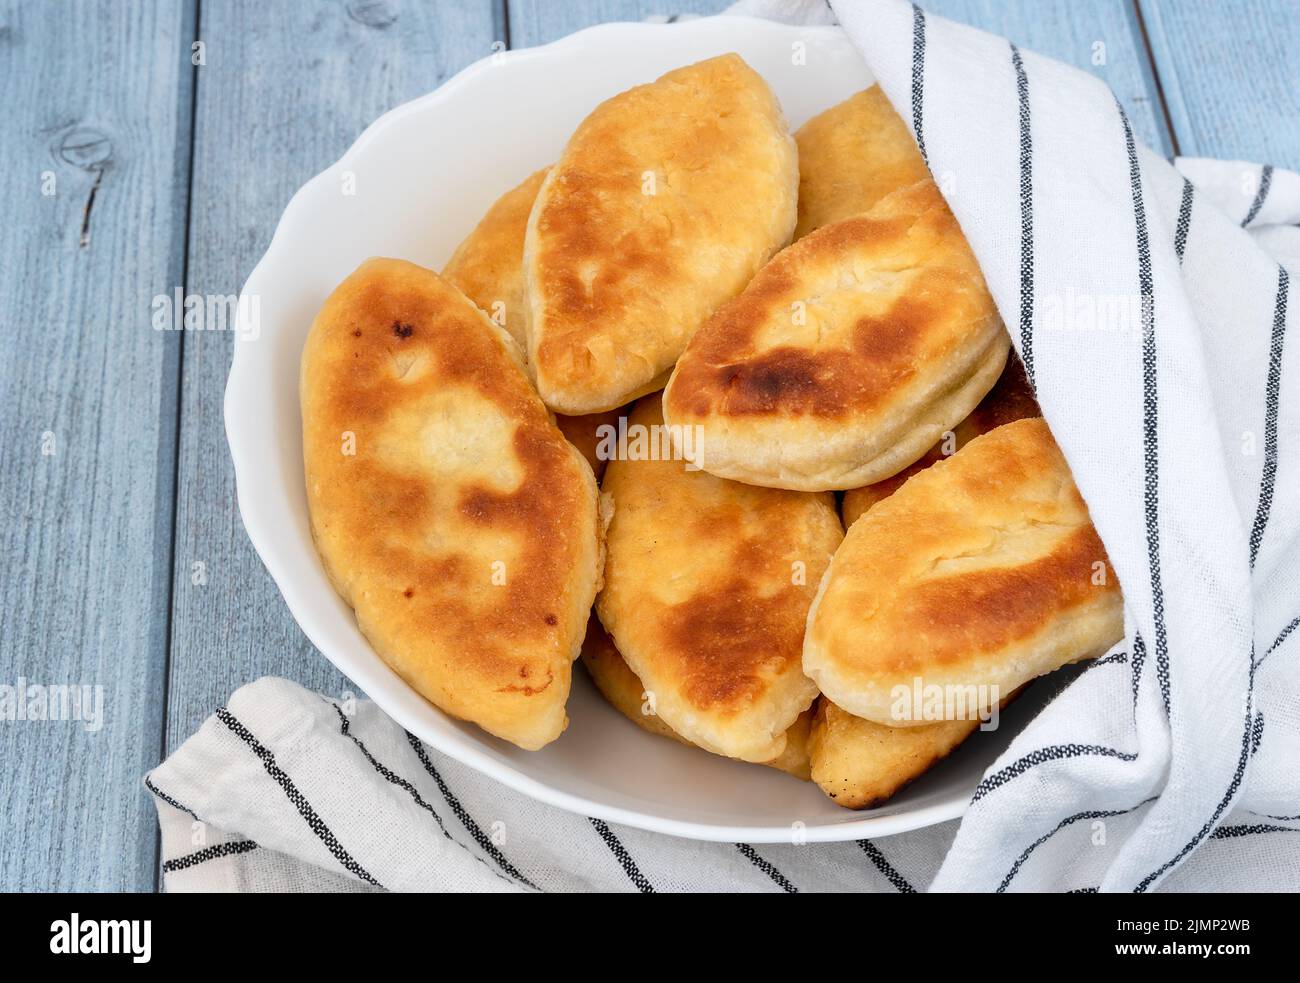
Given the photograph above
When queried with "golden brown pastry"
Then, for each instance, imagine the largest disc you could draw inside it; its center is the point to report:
(980, 573)
(619, 685)
(487, 267)
(1011, 398)
(448, 510)
(794, 759)
(624, 691)
(586, 434)
(707, 588)
(860, 764)
(666, 200)
(848, 355)
(851, 156)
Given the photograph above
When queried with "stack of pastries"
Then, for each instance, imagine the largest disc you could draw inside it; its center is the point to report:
(633, 417)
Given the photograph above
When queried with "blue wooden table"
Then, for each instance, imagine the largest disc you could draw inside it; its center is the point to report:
(149, 146)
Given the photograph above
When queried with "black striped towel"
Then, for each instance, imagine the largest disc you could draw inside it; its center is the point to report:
(1150, 302)
(284, 790)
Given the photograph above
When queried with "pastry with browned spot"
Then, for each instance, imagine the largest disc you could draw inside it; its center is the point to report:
(448, 509)
(666, 200)
(626, 694)
(980, 573)
(707, 589)
(488, 268)
(848, 356)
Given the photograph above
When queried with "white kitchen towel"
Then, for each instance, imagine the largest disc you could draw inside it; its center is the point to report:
(1153, 326)
(284, 789)
(1150, 305)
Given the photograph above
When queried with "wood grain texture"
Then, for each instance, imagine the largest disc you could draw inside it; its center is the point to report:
(1230, 70)
(97, 101)
(535, 22)
(286, 90)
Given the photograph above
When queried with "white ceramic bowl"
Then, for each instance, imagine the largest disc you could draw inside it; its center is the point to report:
(423, 174)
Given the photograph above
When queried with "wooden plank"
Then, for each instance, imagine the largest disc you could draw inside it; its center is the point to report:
(285, 91)
(1064, 29)
(535, 22)
(1230, 77)
(97, 101)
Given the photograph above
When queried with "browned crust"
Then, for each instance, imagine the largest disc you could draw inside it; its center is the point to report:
(851, 156)
(409, 536)
(860, 764)
(983, 569)
(613, 271)
(847, 355)
(726, 373)
(1010, 399)
(585, 433)
(488, 266)
(623, 689)
(701, 593)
